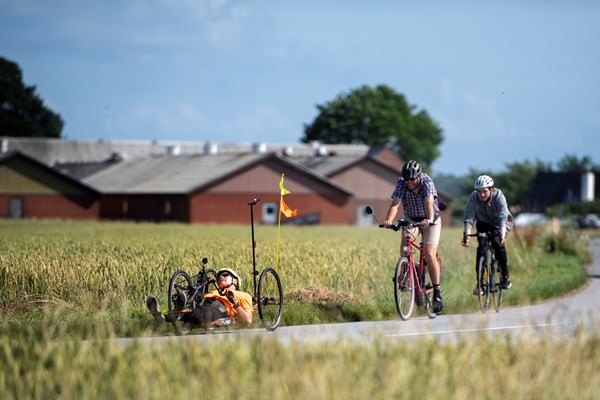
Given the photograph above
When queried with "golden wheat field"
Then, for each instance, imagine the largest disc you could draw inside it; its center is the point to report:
(67, 287)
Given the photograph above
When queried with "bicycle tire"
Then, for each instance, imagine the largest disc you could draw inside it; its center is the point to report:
(497, 298)
(429, 296)
(180, 283)
(483, 284)
(404, 288)
(270, 299)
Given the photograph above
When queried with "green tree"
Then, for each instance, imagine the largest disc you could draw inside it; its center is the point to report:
(572, 163)
(22, 112)
(377, 117)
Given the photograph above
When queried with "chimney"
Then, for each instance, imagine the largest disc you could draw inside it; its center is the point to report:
(587, 186)
(173, 150)
(211, 148)
(260, 148)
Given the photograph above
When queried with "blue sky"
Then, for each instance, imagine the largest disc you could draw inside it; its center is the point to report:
(506, 81)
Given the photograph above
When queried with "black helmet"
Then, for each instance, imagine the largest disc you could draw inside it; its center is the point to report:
(411, 170)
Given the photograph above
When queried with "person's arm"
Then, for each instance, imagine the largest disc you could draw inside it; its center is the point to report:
(243, 315)
(392, 212)
(503, 215)
(430, 211)
(469, 218)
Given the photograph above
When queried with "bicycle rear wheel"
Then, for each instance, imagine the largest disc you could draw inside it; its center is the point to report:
(270, 299)
(497, 293)
(404, 288)
(180, 287)
(483, 284)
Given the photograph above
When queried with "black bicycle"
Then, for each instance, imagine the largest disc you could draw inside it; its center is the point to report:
(187, 292)
(487, 266)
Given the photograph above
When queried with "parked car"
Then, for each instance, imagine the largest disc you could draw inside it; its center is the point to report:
(528, 219)
(589, 221)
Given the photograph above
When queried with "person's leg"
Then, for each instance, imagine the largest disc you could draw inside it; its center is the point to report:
(431, 238)
(500, 251)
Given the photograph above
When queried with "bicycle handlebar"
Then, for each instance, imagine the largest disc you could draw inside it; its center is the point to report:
(481, 234)
(403, 224)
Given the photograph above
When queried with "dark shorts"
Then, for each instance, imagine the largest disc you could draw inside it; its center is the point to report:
(211, 310)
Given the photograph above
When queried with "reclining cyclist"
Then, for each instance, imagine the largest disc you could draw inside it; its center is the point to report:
(225, 302)
(488, 208)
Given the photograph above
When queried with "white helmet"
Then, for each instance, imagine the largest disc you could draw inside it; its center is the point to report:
(484, 181)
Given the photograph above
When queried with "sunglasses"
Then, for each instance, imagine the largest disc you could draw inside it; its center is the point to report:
(412, 179)
(224, 274)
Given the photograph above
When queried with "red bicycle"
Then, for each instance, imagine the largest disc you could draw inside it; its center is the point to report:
(412, 284)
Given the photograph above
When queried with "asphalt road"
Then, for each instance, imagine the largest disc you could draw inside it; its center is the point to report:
(559, 318)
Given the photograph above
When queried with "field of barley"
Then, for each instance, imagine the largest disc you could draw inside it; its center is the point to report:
(62, 283)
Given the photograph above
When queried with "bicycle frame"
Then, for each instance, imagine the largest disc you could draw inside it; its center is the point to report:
(490, 263)
(407, 251)
(412, 280)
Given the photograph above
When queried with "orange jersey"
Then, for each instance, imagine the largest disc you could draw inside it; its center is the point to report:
(243, 298)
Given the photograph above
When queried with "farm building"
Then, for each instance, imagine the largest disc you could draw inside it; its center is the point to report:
(202, 182)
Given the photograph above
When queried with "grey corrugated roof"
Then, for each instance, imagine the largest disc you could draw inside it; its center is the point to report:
(167, 174)
(181, 174)
(59, 151)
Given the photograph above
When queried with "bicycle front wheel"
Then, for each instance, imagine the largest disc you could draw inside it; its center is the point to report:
(497, 291)
(270, 299)
(483, 284)
(404, 288)
(180, 287)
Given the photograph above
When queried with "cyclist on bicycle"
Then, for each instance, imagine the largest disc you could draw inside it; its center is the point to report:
(227, 301)
(416, 192)
(487, 206)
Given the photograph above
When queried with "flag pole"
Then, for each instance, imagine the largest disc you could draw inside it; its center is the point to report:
(279, 222)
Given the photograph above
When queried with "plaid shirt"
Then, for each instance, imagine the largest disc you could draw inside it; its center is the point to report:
(414, 203)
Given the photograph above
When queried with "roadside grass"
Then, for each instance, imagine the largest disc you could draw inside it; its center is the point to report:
(65, 286)
(85, 275)
(38, 366)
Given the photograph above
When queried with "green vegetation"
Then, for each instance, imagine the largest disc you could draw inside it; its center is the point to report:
(101, 272)
(62, 282)
(265, 369)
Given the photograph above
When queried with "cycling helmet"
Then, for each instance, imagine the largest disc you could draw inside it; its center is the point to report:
(411, 170)
(484, 181)
(234, 274)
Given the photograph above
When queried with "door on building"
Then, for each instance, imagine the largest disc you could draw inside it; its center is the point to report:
(269, 213)
(362, 218)
(16, 208)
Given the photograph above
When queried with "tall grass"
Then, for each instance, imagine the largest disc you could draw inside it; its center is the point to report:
(105, 270)
(487, 368)
(62, 282)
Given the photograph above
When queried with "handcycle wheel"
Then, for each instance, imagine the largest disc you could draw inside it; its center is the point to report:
(270, 299)
(497, 293)
(404, 288)
(180, 283)
(483, 284)
(429, 294)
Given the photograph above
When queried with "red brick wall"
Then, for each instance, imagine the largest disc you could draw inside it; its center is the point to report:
(53, 207)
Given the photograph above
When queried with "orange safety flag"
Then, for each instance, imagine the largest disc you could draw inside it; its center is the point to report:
(285, 210)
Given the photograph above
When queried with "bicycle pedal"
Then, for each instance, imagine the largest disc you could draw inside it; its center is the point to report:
(428, 286)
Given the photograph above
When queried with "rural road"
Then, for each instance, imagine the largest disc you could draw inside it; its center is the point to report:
(558, 318)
